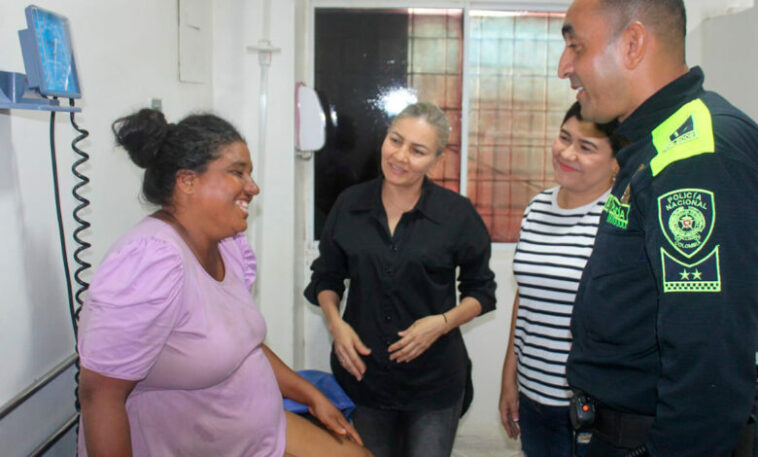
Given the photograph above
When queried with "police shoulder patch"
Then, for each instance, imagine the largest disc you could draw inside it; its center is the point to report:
(701, 276)
(686, 133)
(686, 217)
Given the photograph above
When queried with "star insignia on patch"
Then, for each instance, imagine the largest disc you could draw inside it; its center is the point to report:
(701, 276)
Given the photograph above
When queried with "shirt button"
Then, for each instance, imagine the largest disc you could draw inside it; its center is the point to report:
(388, 318)
(388, 271)
(394, 248)
(387, 342)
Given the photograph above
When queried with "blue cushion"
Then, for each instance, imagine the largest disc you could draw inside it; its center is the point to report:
(326, 383)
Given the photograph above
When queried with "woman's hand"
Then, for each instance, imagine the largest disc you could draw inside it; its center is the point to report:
(508, 404)
(417, 338)
(328, 414)
(509, 409)
(349, 348)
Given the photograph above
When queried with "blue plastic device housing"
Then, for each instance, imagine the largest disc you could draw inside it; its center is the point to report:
(49, 62)
(48, 54)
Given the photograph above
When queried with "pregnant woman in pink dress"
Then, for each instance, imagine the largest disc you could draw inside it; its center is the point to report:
(170, 340)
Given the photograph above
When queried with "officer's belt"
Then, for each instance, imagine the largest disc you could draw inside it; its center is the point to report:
(630, 430)
(621, 429)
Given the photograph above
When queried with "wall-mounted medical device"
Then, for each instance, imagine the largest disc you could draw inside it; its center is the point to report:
(310, 120)
(49, 62)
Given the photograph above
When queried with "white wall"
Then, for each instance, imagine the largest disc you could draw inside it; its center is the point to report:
(126, 52)
(726, 49)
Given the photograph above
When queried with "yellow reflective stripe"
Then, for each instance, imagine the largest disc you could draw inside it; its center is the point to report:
(687, 133)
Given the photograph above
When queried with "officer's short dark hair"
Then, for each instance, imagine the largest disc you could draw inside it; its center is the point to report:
(667, 19)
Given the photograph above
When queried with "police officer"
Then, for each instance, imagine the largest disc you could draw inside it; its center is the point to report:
(664, 323)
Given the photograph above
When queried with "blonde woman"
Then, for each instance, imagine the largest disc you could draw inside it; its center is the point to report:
(398, 351)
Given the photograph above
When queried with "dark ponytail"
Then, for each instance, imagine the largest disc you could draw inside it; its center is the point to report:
(142, 135)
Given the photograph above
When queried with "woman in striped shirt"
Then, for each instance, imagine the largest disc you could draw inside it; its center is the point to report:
(557, 234)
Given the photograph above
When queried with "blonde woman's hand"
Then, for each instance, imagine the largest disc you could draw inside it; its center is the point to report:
(417, 338)
(349, 348)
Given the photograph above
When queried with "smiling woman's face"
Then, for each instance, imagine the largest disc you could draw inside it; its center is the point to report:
(222, 193)
(409, 151)
(583, 158)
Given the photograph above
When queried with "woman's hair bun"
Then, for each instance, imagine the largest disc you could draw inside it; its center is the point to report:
(142, 135)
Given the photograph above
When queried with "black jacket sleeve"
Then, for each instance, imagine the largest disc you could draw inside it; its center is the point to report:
(702, 246)
(476, 279)
(329, 270)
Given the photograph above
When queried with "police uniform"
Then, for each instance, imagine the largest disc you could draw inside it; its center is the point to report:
(665, 319)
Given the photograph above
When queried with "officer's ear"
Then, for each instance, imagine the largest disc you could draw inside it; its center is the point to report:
(633, 43)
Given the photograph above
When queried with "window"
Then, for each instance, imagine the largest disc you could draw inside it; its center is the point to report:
(517, 104)
(366, 59)
(435, 56)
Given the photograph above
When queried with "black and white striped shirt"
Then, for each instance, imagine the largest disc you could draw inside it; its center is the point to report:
(553, 249)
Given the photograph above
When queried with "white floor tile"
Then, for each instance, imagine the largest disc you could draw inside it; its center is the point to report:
(474, 446)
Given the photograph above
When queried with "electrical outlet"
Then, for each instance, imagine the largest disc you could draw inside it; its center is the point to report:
(156, 104)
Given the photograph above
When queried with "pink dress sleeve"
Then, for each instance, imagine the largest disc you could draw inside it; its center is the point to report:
(249, 261)
(133, 306)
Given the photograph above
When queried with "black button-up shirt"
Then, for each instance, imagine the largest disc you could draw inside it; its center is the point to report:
(397, 279)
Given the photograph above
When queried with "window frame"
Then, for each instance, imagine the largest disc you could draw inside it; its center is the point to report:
(466, 6)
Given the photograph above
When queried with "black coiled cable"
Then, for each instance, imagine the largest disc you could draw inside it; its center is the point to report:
(75, 300)
(82, 245)
(83, 224)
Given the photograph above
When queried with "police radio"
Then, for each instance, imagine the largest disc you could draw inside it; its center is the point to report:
(582, 411)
